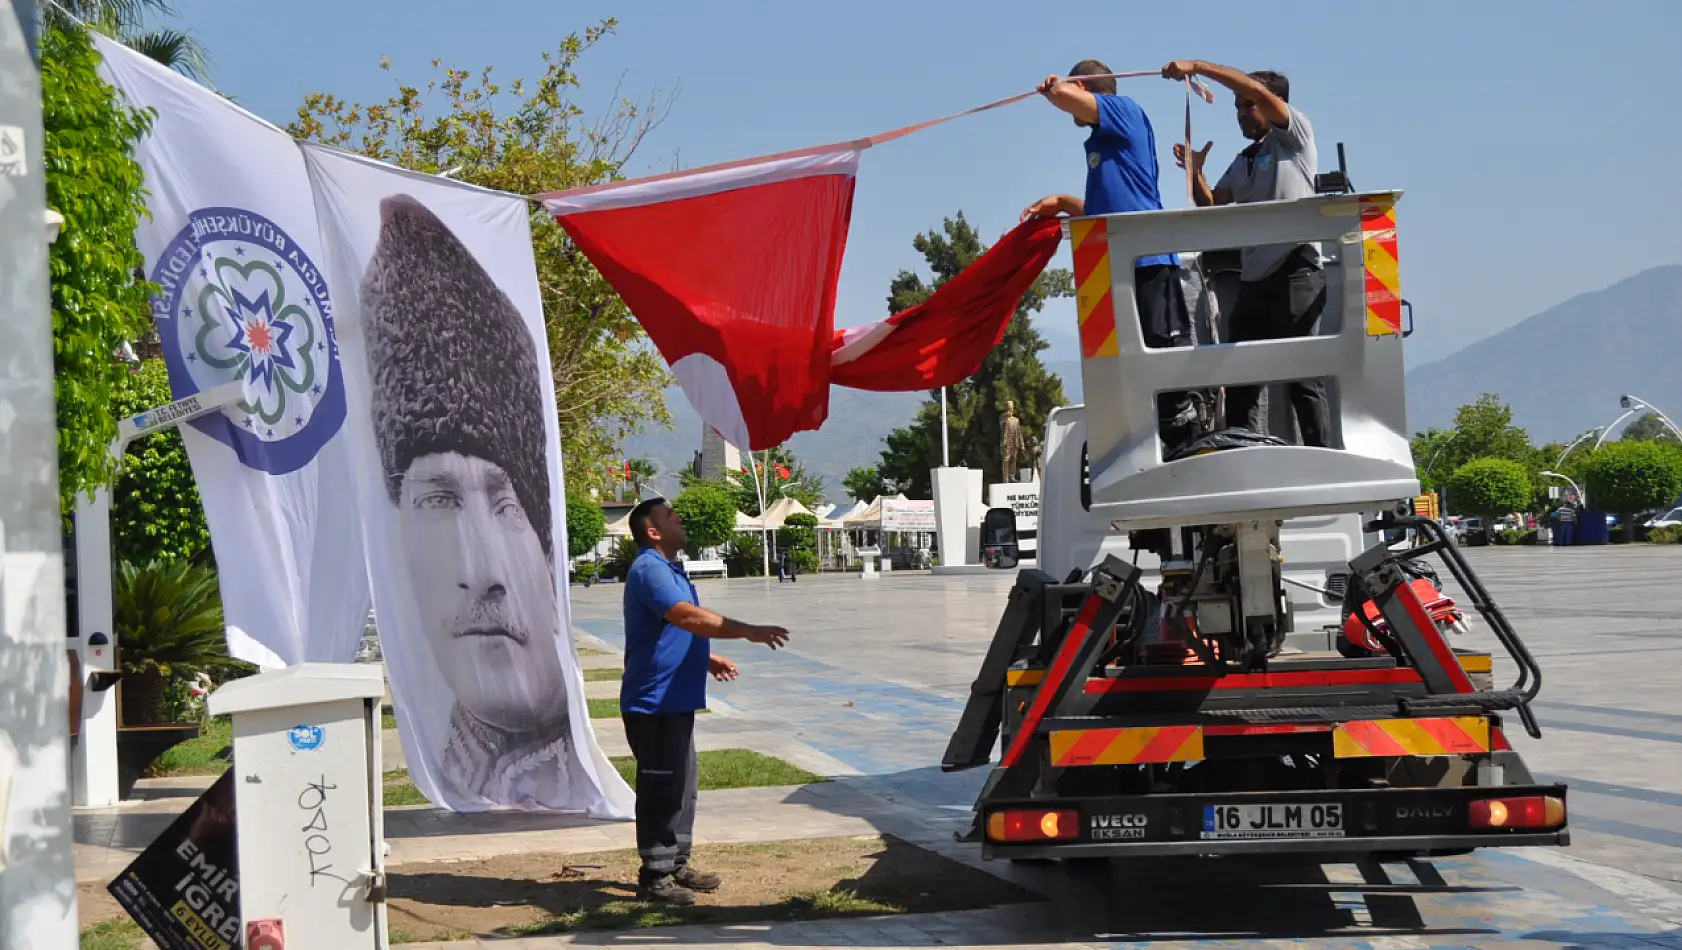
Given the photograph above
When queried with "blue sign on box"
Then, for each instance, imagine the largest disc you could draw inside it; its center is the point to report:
(305, 738)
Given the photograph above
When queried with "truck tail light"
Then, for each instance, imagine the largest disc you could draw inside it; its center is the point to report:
(1534, 811)
(1033, 825)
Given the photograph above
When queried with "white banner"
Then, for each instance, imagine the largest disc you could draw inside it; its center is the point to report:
(233, 242)
(903, 515)
(452, 411)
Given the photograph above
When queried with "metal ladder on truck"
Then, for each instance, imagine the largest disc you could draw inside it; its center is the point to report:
(1174, 720)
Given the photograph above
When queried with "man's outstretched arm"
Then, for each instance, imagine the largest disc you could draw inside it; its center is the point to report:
(1072, 97)
(704, 623)
(1272, 108)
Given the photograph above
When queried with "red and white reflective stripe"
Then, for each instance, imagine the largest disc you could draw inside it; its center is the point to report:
(1066, 654)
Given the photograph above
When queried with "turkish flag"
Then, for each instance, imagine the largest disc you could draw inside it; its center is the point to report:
(732, 271)
(943, 340)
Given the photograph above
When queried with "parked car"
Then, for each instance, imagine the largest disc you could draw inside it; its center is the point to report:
(1666, 519)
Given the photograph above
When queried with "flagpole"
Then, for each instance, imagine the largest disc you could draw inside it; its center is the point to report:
(764, 536)
(945, 441)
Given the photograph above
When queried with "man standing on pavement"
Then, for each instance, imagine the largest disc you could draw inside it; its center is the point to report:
(665, 682)
(1283, 288)
(1121, 176)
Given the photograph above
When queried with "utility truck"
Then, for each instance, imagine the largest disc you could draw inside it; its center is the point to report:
(1282, 679)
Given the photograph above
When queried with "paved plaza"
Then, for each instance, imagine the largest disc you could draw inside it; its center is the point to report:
(873, 681)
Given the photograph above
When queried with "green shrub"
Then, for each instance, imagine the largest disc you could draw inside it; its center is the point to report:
(1630, 477)
(798, 536)
(617, 564)
(744, 556)
(708, 513)
(156, 514)
(586, 524)
(1489, 487)
(1668, 534)
(585, 572)
(1524, 536)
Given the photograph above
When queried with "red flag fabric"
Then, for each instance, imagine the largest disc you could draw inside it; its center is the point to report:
(943, 340)
(732, 273)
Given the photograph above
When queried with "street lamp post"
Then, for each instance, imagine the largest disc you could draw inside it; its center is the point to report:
(1631, 403)
(1582, 496)
(1579, 441)
(1630, 410)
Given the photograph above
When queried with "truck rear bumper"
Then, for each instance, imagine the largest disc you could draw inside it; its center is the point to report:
(1368, 820)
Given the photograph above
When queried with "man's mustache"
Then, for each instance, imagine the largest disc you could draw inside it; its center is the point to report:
(517, 635)
(490, 620)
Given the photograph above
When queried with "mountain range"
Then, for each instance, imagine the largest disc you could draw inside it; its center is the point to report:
(1561, 370)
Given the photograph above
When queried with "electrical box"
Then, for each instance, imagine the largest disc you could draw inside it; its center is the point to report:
(307, 804)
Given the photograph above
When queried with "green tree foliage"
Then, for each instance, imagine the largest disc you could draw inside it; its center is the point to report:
(1647, 427)
(527, 138)
(865, 484)
(800, 485)
(1628, 478)
(98, 305)
(156, 514)
(799, 537)
(1490, 487)
(586, 524)
(642, 472)
(708, 513)
(129, 22)
(1012, 372)
(1482, 429)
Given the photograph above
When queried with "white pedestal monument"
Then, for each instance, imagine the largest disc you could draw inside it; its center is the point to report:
(958, 508)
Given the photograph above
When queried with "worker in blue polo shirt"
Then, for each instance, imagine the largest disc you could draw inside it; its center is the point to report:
(1121, 176)
(665, 682)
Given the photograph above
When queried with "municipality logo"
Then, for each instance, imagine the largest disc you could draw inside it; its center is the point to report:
(241, 300)
(306, 738)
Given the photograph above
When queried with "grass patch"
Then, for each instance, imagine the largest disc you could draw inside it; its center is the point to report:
(592, 651)
(603, 674)
(209, 754)
(388, 719)
(536, 894)
(119, 933)
(733, 768)
(603, 708)
(399, 789)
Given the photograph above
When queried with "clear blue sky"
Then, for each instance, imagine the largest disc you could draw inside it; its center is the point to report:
(1538, 143)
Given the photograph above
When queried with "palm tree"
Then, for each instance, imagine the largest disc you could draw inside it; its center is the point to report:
(168, 620)
(126, 21)
(642, 471)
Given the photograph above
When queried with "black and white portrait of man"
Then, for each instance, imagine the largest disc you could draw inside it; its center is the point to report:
(459, 424)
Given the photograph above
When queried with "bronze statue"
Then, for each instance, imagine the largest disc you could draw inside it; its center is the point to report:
(1013, 443)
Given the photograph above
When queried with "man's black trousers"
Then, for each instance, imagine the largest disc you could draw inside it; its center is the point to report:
(1165, 321)
(667, 786)
(1284, 304)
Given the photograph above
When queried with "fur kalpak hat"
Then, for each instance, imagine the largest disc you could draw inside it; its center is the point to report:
(453, 365)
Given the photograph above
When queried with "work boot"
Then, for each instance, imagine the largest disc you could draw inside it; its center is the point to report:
(696, 880)
(667, 890)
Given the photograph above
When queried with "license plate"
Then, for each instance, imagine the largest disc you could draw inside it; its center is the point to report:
(1274, 820)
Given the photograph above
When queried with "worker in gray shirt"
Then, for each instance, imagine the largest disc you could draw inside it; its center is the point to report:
(1283, 288)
